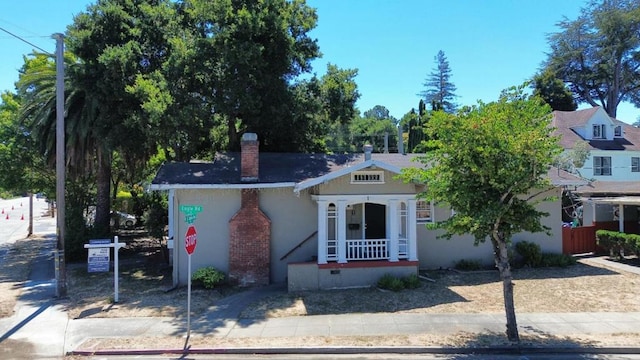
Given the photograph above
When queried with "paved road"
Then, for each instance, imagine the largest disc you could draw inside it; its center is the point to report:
(14, 219)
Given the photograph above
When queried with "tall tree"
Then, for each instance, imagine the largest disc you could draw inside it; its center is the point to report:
(248, 52)
(123, 46)
(553, 91)
(489, 164)
(439, 90)
(598, 54)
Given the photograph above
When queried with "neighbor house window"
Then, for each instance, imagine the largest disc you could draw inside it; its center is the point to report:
(599, 131)
(367, 177)
(635, 164)
(424, 211)
(617, 131)
(602, 165)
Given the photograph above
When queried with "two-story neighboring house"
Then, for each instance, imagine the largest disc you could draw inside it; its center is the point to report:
(613, 164)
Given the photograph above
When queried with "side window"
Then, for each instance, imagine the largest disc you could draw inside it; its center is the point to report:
(424, 212)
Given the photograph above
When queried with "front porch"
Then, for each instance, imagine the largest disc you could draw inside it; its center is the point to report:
(365, 228)
(310, 276)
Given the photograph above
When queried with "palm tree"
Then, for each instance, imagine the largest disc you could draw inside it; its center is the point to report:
(83, 146)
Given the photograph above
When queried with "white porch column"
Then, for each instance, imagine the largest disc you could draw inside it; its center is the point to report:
(392, 205)
(593, 213)
(170, 234)
(412, 237)
(342, 231)
(621, 218)
(322, 231)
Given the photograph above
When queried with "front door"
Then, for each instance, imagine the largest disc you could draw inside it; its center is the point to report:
(375, 221)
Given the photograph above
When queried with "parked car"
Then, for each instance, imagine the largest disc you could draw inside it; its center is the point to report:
(120, 219)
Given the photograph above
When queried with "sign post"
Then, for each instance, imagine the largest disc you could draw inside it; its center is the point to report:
(190, 242)
(98, 260)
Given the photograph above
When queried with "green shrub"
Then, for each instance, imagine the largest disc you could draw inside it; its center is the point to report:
(390, 282)
(411, 282)
(557, 260)
(618, 243)
(530, 252)
(207, 277)
(468, 265)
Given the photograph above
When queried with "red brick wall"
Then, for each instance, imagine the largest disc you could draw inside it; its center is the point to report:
(249, 157)
(250, 239)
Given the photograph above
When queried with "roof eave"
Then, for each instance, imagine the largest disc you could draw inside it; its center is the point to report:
(222, 186)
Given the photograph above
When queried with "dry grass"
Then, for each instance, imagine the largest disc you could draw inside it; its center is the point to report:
(580, 288)
(144, 279)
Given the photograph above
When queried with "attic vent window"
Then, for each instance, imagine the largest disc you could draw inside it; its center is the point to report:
(367, 177)
(617, 131)
(599, 131)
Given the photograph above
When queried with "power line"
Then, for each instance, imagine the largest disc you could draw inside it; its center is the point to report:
(25, 41)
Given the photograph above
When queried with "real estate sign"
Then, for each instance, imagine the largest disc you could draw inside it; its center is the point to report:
(99, 257)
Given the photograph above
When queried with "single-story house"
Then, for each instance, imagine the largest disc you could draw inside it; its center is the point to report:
(316, 221)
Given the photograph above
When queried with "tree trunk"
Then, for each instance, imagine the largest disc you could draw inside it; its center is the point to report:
(232, 133)
(103, 198)
(502, 262)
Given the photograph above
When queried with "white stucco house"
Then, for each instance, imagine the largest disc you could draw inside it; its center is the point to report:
(317, 221)
(613, 166)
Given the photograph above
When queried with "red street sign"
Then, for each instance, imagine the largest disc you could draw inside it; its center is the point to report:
(190, 239)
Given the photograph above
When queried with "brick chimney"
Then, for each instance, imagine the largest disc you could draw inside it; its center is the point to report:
(249, 163)
(249, 228)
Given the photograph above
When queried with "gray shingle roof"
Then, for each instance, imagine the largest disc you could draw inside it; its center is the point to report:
(274, 167)
(291, 168)
(566, 121)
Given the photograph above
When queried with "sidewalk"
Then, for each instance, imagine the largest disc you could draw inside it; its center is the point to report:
(41, 329)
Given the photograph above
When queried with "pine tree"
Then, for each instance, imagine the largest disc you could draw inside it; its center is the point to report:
(439, 90)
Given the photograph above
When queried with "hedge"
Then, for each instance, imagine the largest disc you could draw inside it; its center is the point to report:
(618, 243)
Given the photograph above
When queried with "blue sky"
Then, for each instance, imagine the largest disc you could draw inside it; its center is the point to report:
(490, 44)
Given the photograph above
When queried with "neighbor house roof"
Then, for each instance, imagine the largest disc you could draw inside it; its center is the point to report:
(566, 123)
(296, 170)
(609, 188)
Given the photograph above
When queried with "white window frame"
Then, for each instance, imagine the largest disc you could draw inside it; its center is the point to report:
(599, 131)
(422, 207)
(599, 166)
(635, 164)
(617, 131)
(367, 177)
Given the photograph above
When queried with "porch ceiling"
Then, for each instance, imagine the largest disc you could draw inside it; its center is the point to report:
(624, 200)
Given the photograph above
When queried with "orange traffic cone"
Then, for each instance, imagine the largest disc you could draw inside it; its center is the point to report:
(22, 217)
(3, 210)
(11, 207)
(7, 216)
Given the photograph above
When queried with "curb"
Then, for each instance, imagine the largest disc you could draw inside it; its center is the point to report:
(362, 350)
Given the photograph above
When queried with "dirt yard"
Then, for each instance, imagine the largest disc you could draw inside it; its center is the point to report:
(145, 290)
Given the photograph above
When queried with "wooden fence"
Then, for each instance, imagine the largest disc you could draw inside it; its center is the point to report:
(582, 239)
(579, 240)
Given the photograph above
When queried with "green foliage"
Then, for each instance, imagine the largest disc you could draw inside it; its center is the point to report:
(393, 283)
(618, 243)
(390, 282)
(155, 217)
(534, 257)
(468, 265)
(411, 282)
(207, 277)
(557, 260)
(554, 92)
(598, 53)
(486, 162)
(530, 252)
(439, 90)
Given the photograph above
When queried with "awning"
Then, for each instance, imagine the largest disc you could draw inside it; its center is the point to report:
(620, 200)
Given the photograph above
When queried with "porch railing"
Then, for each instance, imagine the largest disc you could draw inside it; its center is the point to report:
(368, 249)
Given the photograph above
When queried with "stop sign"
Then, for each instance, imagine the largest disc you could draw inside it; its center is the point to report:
(190, 239)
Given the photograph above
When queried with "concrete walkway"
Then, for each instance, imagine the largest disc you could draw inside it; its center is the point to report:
(41, 329)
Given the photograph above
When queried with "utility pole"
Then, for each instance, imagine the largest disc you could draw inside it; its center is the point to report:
(61, 272)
